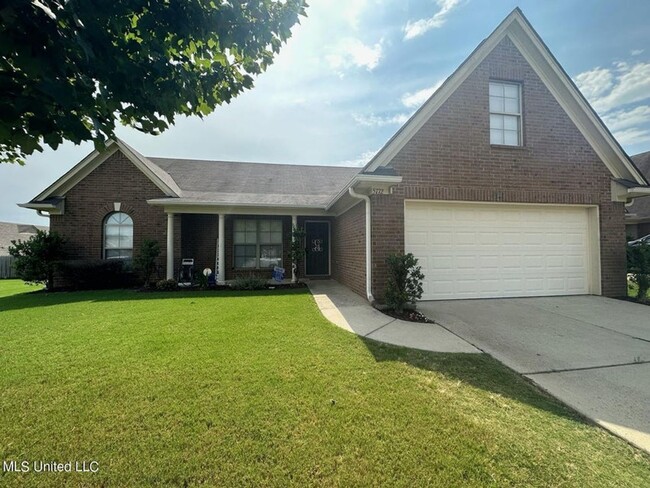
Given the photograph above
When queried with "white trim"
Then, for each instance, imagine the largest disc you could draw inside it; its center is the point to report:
(519, 114)
(172, 205)
(363, 178)
(258, 245)
(593, 220)
(294, 226)
(170, 246)
(91, 162)
(329, 247)
(221, 250)
(78, 172)
(517, 28)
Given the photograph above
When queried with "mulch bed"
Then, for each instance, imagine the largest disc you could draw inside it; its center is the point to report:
(409, 316)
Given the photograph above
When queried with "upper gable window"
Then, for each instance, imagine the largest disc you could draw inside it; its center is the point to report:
(505, 113)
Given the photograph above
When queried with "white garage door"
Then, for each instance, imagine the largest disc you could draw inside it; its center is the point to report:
(499, 250)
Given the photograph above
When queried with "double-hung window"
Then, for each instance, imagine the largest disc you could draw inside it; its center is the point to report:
(258, 243)
(505, 114)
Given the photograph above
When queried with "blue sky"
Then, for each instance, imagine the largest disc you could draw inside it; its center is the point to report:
(356, 69)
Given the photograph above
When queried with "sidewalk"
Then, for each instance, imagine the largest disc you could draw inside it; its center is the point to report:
(346, 309)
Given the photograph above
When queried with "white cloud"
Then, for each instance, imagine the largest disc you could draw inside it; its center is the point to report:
(352, 11)
(608, 89)
(416, 99)
(373, 120)
(362, 160)
(419, 27)
(595, 82)
(636, 52)
(633, 136)
(625, 119)
(352, 53)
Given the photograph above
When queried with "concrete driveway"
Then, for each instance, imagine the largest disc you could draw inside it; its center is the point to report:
(593, 353)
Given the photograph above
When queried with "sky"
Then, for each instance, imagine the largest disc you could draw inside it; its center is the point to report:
(355, 70)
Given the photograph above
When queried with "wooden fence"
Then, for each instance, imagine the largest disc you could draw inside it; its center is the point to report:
(7, 267)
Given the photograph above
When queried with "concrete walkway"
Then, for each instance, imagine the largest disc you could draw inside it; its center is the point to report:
(349, 311)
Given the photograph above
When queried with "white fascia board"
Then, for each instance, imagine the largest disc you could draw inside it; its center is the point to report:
(517, 28)
(573, 102)
(78, 172)
(88, 164)
(431, 106)
(172, 205)
(638, 192)
(171, 189)
(364, 178)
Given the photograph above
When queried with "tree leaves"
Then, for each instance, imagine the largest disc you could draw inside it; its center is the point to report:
(73, 74)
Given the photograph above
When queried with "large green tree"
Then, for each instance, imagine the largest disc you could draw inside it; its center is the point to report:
(70, 69)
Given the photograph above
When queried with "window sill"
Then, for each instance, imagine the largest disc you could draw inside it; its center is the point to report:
(505, 146)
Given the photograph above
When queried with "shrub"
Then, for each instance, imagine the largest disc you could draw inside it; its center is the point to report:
(251, 282)
(98, 274)
(145, 261)
(166, 285)
(638, 266)
(201, 280)
(37, 258)
(404, 281)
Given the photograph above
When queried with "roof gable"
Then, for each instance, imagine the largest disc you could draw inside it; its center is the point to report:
(527, 41)
(87, 165)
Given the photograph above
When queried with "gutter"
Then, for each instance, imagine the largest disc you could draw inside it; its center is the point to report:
(366, 198)
(638, 192)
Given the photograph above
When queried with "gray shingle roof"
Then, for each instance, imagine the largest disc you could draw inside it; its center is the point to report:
(641, 206)
(232, 183)
(11, 231)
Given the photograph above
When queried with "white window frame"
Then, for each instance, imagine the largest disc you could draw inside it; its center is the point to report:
(104, 236)
(258, 244)
(519, 114)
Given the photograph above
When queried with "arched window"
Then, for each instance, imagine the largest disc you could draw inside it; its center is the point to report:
(118, 236)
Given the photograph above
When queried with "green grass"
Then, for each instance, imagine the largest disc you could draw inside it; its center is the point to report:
(258, 389)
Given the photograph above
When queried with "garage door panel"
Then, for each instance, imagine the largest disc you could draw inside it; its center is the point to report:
(497, 250)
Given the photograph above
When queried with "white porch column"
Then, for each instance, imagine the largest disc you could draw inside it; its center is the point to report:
(221, 275)
(170, 246)
(294, 224)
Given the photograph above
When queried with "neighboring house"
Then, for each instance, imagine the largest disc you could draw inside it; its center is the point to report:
(505, 183)
(637, 218)
(10, 231)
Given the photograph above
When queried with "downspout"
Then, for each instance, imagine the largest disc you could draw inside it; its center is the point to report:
(366, 198)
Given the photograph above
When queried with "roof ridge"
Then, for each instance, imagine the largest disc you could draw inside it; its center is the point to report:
(154, 158)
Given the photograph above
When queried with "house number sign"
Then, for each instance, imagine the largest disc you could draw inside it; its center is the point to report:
(317, 245)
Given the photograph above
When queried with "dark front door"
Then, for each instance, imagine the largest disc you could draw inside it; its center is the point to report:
(317, 236)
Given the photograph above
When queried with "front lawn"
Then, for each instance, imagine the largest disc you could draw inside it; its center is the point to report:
(258, 389)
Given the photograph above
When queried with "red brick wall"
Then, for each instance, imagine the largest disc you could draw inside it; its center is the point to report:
(349, 249)
(199, 239)
(92, 199)
(451, 159)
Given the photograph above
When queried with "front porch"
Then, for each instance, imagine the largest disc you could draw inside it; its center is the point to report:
(247, 243)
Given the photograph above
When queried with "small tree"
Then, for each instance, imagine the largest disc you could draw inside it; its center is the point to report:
(404, 281)
(145, 261)
(638, 266)
(38, 257)
(297, 247)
